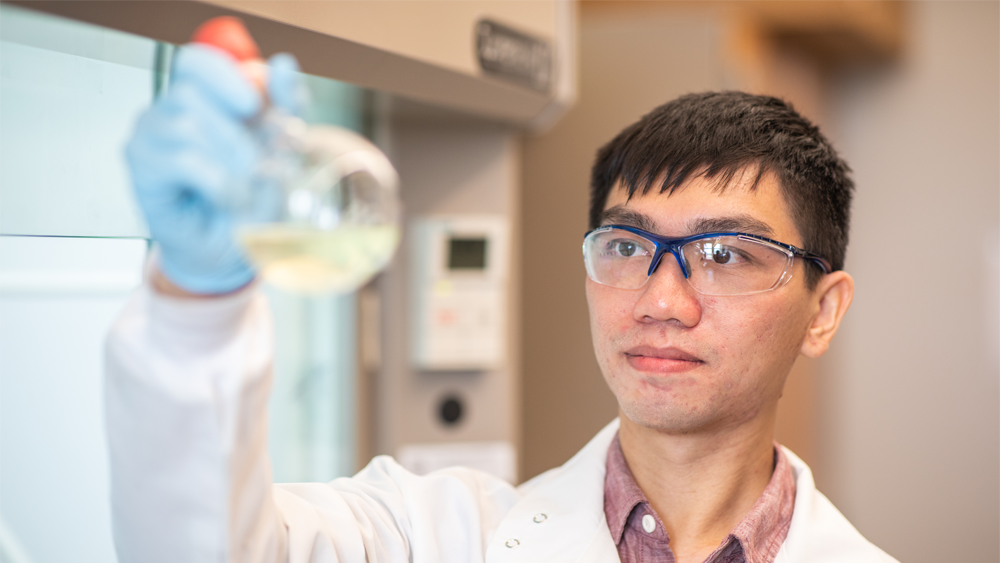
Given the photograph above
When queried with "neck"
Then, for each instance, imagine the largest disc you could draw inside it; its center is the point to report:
(700, 484)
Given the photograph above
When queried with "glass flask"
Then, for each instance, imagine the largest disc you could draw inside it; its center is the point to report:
(321, 211)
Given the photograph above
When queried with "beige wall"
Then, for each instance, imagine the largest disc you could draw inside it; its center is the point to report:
(910, 423)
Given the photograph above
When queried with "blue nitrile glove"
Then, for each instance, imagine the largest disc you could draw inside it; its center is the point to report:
(190, 154)
(284, 86)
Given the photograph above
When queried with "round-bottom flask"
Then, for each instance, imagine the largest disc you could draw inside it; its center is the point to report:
(322, 213)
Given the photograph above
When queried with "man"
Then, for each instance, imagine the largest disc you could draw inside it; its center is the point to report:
(701, 297)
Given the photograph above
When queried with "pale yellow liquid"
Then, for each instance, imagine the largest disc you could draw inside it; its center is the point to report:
(315, 261)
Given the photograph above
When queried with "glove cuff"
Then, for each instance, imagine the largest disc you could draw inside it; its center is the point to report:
(233, 274)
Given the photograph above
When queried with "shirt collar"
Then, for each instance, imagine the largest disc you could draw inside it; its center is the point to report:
(760, 533)
(621, 493)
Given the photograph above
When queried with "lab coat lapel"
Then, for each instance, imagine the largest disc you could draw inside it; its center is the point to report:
(819, 533)
(560, 518)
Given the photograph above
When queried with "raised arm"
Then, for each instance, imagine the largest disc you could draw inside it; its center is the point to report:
(188, 374)
(188, 362)
(185, 395)
(186, 391)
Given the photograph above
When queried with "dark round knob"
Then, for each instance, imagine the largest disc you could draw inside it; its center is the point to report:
(450, 410)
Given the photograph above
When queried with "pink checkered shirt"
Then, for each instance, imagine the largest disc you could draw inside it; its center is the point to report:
(755, 539)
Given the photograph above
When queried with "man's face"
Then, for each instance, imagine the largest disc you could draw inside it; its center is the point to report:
(679, 361)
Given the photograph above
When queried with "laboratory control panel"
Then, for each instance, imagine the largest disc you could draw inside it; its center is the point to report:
(459, 278)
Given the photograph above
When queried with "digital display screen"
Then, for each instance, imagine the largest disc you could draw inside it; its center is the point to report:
(467, 254)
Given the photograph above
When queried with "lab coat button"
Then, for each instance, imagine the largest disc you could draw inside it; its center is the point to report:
(512, 543)
(540, 517)
(648, 523)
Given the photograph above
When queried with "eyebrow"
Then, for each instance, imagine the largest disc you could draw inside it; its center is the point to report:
(732, 223)
(619, 215)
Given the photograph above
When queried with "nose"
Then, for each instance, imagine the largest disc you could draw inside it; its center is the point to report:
(667, 296)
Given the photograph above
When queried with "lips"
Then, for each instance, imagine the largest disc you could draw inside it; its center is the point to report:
(661, 360)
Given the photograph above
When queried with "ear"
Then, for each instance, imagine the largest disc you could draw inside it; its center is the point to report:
(834, 292)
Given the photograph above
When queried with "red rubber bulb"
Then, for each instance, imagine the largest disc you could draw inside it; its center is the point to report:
(230, 35)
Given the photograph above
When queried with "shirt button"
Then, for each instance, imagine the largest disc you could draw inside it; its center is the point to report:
(540, 517)
(648, 523)
(512, 543)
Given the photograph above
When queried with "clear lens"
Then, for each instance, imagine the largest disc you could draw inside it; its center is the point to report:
(726, 265)
(734, 265)
(618, 258)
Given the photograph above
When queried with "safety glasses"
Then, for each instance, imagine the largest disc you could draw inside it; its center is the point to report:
(713, 263)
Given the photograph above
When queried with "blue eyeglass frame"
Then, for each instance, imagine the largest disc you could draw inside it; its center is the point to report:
(674, 244)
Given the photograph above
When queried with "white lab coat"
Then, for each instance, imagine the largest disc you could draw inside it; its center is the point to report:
(186, 391)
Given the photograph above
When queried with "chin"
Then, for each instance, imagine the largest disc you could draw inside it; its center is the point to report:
(671, 419)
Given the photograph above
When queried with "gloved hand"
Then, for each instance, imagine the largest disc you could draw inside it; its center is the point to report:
(189, 154)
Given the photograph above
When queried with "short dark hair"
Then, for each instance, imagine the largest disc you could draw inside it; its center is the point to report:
(720, 134)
